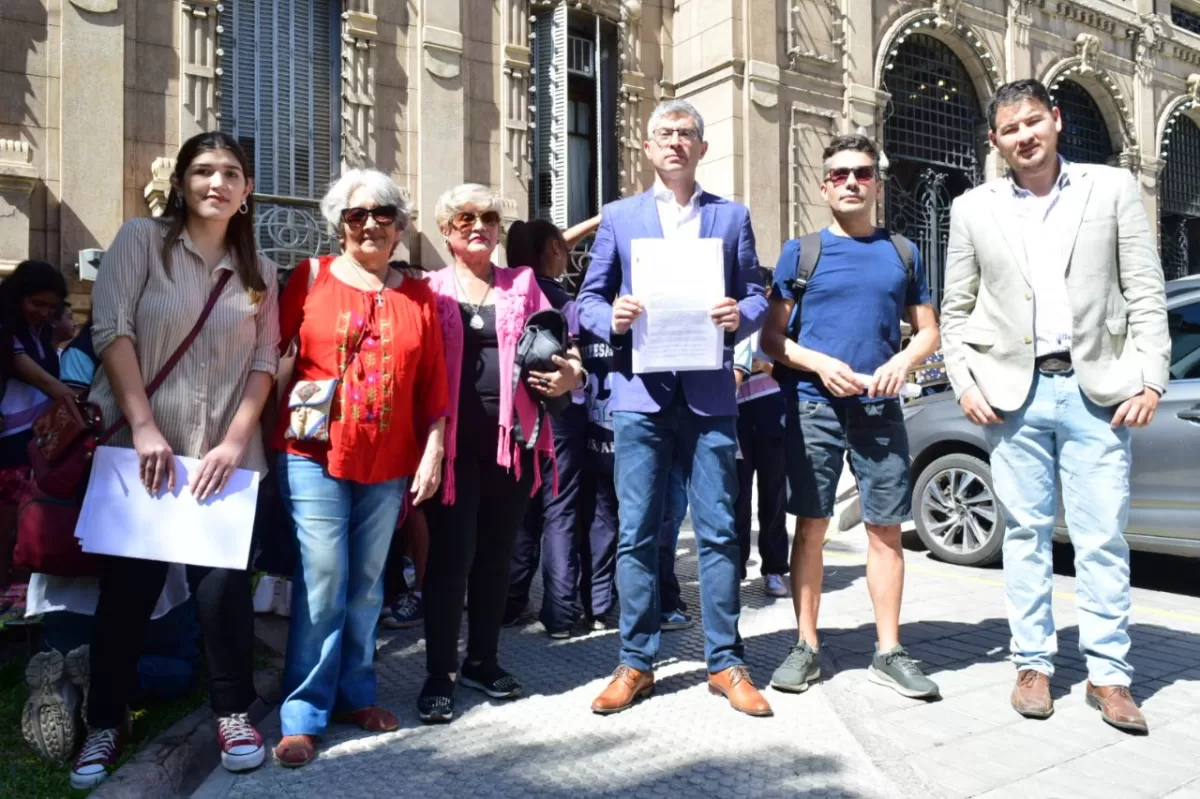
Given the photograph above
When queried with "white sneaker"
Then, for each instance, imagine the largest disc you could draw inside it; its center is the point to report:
(50, 720)
(241, 746)
(775, 585)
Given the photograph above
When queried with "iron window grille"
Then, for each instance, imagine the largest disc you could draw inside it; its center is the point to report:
(934, 115)
(1187, 20)
(1179, 200)
(1084, 137)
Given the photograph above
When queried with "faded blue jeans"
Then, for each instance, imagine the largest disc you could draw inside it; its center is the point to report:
(343, 531)
(648, 445)
(1059, 432)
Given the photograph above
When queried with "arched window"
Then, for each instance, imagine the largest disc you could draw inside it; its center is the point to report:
(1084, 137)
(1179, 200)
(931, 135)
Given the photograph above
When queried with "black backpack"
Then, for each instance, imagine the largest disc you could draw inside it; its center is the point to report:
(806, 263)
(545, 335)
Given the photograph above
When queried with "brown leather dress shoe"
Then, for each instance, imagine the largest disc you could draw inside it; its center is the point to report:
(734, 684)
(1031, 695)
(295, 751)
(628, 685)
(1116, 704)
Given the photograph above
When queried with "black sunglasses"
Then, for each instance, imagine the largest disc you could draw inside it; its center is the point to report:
(357, 217)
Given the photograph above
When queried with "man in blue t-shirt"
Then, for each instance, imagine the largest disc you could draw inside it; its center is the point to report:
(850, 370)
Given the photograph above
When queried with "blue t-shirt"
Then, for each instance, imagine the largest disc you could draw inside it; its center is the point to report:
(853, 304)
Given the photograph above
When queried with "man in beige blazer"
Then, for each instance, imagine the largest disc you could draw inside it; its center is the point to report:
(1054, 328)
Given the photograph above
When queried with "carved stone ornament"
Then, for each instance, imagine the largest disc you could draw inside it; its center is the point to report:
(1087, 48)
(443, 52)
(1193, 87)
(1153, 34)
(159, 187)
(945, 14)
(97, 6)
(17, 172)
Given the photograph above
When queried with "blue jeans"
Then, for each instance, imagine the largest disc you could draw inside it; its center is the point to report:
(647, 447)
(1059, 432)
(343, 531)
(670, 598)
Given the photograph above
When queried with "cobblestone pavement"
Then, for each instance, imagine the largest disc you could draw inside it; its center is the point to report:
(845, 737)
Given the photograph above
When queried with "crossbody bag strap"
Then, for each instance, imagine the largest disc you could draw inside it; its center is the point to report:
(180, 351)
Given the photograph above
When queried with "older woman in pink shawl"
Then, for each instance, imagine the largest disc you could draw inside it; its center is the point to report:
(490, 473)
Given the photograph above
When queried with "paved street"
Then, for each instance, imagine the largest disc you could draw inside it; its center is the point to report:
(845, 737)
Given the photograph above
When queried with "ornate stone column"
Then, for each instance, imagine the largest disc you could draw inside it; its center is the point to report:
(1142, 156)
(441, 114)
(360, 29)
(515, 102)
(1018, 58)
(18, 177)
(633, 89)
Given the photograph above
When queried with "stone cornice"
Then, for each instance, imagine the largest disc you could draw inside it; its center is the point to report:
(17, 172)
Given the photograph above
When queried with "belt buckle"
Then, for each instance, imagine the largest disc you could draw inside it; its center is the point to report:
(1054, 365)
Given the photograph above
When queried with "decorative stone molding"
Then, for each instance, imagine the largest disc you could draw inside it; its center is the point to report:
(1087, 49)
(945, 14)
(516, 67)
(629, 106)
(863, 105)
(1193, 87)
(1151, 38)
(1085, 14)
(199, 66)
(97, 6)
(926, 22)
(17, 172)
(798, 52)
(159, 187)
(360, 29)
(443, 51)
(763, 79)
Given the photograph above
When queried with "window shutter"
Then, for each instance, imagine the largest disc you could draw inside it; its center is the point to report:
(559, 171)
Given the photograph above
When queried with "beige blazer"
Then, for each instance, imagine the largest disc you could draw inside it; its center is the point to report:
(1114, 282)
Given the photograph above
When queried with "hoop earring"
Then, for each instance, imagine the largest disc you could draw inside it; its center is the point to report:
(244, 209)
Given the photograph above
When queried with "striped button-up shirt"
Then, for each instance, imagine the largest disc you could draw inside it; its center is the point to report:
(134, 297)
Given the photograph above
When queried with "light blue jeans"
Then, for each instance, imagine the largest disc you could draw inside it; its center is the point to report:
(343, 530)
(1059, 432)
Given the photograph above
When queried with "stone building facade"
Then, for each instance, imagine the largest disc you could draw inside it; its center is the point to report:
(546, 100)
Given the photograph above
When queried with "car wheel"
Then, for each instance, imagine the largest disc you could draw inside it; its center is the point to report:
(956, 511)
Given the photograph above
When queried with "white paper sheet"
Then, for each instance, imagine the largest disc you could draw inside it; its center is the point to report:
(119, 518)
(678, 281)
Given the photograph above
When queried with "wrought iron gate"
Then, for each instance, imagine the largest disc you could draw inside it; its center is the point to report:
(1178, 199)
(922, 215)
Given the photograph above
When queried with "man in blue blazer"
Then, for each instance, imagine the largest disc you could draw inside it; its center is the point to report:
(664, 418)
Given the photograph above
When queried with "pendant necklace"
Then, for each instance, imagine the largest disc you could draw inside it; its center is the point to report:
(476, 320)
(379, 292)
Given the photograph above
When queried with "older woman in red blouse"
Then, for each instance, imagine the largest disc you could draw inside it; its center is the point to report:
(363, 422)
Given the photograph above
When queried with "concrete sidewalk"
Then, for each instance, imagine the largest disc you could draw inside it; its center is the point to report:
(845, 737)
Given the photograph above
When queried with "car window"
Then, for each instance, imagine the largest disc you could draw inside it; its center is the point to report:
(1184, 324)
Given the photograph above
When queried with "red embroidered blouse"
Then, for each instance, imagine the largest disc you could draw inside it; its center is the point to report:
(395, 386)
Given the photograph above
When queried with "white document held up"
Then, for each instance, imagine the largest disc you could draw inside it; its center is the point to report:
(678, 281)
(119, 518)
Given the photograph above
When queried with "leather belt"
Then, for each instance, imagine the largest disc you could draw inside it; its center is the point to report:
(1054, 364)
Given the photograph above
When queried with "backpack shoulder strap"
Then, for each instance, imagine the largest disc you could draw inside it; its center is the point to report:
(806, 260)
(904, 248)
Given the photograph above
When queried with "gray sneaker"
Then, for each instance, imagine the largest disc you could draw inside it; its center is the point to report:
(898, 671)
(799, 669)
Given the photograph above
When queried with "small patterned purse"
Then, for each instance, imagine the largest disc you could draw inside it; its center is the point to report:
(310, 404)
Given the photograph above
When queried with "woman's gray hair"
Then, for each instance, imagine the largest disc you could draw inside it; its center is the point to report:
(674, 108)
(475, 195)
(382, 188)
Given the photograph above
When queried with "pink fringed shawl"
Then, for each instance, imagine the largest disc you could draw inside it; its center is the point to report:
(517, 298)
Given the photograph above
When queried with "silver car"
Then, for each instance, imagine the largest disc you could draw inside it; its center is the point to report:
(955, 508)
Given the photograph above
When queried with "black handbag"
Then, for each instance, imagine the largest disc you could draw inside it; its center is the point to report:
(545, 336)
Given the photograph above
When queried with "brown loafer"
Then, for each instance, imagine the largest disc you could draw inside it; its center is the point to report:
(734, 684)
(1116, 705)
(1031, 695)
(295, 751)
(371, 719)
(627, 686)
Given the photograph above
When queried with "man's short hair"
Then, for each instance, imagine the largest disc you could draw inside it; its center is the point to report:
(1015, 93)
(675, 108)
(853, 143)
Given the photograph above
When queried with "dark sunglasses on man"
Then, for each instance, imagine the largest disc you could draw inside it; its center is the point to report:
(465, 220)
(862, 174)
(383, 214)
